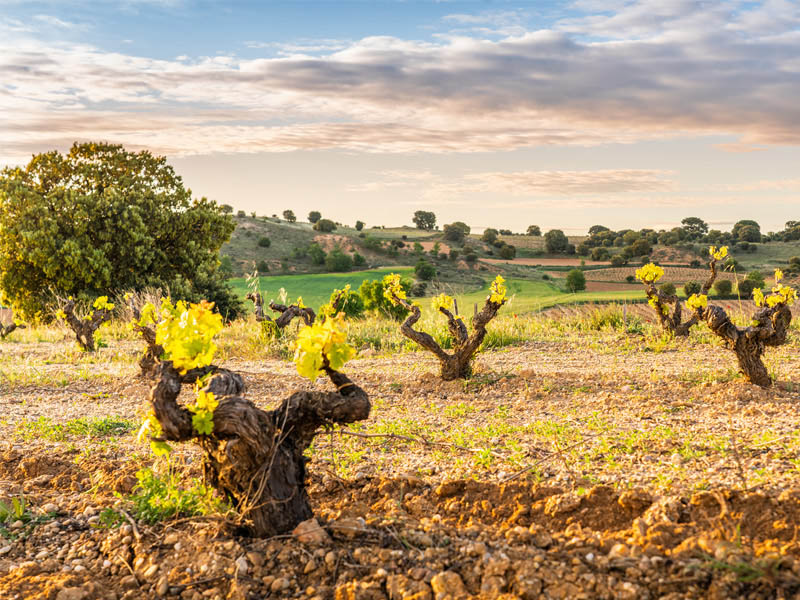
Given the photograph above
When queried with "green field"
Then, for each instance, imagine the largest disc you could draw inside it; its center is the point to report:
(315, 289)
(526, 296)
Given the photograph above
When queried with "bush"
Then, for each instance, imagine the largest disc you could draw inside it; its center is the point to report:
(456, 232)
(424, 270)
(695, 263)
(314, 216)
(289, 216)
(418, 289)
(359, 260)
(359, 225)
(508, 252)
(263, 266)
(576, 280)
(470, 257)
(618, 260)
(556, 242)
(746, 287)
(757, 278)
(316, 253)
(723, 287)
(453, 254)
(324, 225)
(241, 214)
(337, 261)
(668, 288)
(600, 254)
(371, 293)
(630, 279)
(489, 236)
(691, 287)
(350, 303)
(264, 242)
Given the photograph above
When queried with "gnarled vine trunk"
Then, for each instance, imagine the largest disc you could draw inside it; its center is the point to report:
(5, 330)
(85, 328)
(772, 325)
(255, 457)
(287, 313)
(153, 353)
(458, 364)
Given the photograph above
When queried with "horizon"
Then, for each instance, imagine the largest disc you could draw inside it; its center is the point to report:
(499, 114)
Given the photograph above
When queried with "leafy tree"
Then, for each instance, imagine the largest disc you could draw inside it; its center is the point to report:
(618, 260)
(316, 253)
(456, 232)
(757, 278)
(692, 287)
(314, 216)
(325, 225)
(489, 235)
(576, 280)
(534, 230)
(263, 266)
(640, 248)
(101, 217)
(264, 242)
(337, 261)
(749, 233)
(424, 270)
(739, 225)
(424, 219)
(668, 288)
(556, 242)
(289, 216)
(694, 227)
(595, 229)
(359, 225)
(240, 214)
(359, 260)
(746, 287)
(600, 254)
(226, 208)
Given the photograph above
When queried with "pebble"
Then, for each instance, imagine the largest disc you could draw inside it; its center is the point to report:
(50, 508)
(150, 571)
(5, 550)
(162, 587)
(280, 584)
(242, 566)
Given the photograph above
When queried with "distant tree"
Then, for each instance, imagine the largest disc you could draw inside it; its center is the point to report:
(556, 242)
(418, 249)
(424, 219)
(600, 253)
(358, 260)
(576, 280)
(424, 270)
(314, 216)
(745, 288)
(456, 232)
(668, 288)
(692, 287)
(757, 278)
(289, 216)
(618, 260)
(263, 266)
(534, 230)
(595, 229)
(489, 235)
(226, 208)
(747, 230)
(264, 242)
(640, 248)
(505, 232)
(337, 261)
(325, 225)
(694, 227)
(359, 225)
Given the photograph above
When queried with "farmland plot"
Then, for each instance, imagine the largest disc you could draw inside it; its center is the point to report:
(597, 464)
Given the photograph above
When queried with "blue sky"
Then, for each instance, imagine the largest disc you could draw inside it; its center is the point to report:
(503, 114)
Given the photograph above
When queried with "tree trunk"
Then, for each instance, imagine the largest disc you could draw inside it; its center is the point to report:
(255, 457)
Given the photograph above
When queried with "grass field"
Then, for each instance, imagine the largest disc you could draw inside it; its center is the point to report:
(315, 289)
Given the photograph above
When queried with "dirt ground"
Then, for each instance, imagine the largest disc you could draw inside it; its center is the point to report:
(598, 465)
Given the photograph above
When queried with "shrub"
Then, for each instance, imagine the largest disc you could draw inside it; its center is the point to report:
(337, 261)
(508, 252)
(576, 280)
(691, 287)
(346, 301)
(757, 278)
(668, 288)
(456, 232)
(264, 242)
(630, 278)
(618, 260)
(418, 289)
(534, 230)
(723, 287)
(359, 260)
(600, 254)
(454, 254)
(425, 270)
(316, 253)
(289, 216)
(745, 288)
(489, 236)
(241, 214)
(359, 225)
(314, 216)
(470, 257)
(263, 266)
(324, 225)
(372, 293)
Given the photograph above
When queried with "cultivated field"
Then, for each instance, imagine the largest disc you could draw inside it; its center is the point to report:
(586, 458)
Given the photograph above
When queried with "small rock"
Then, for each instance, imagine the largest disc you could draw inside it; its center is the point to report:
(618, 551)
(310, 567)
(42, 555)
(72, 593)
(349, 527)
(171, 539)
(280, 584)
(50, 508)
(150, 571)
(310, 532)
(17, 524)
(242, 566)
(162, 587)
(448, 582)
(255, 558)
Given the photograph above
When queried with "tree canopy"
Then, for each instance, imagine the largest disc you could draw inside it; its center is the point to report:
(101, 218)
(424, 219)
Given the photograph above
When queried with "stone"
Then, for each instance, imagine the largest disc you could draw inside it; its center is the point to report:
(72, 593)
(310, 532)
(449, 583)
(162, 586)
(242, 566)
(280, 584)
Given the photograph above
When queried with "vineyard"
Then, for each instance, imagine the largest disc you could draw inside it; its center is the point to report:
(583, 452)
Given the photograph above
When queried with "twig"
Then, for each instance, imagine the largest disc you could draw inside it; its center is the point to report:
(130, 520)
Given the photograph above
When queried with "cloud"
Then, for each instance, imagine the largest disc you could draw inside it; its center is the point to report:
(645, 70)
(52, 21)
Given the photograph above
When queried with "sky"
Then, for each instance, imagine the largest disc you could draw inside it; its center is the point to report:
(502, 114)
